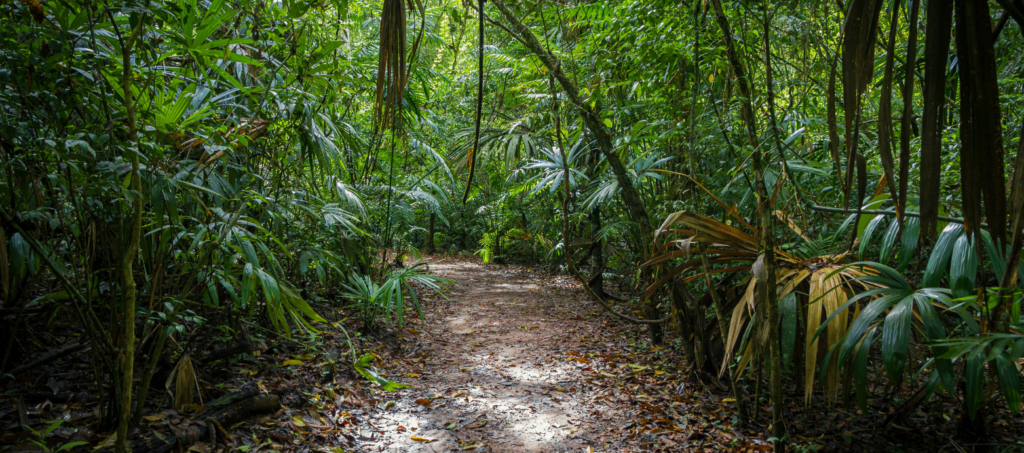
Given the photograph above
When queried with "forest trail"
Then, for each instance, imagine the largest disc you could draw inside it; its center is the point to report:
(502, 366)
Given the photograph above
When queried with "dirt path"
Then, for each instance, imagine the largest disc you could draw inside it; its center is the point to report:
(505, 365)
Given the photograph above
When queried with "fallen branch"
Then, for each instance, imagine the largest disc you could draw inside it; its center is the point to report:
(48, 358)
(27, 310)
(227, 410)
(240, 348)
(61, 398)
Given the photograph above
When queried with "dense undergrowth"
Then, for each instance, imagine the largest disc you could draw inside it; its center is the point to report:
(819, 202)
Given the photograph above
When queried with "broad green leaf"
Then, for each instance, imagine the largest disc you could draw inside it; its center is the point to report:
(939, 258)
(975, 378)
(896, 337)
(963, 267)
(911, 232)
(889, 242)
(867, 233)
(860, 368)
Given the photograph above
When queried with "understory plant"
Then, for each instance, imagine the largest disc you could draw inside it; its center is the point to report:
(948, 315)
(486, 250)
(384, 303)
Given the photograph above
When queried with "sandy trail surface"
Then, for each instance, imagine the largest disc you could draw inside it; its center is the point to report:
(505, 365)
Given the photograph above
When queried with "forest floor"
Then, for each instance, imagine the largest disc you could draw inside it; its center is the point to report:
(513, 359)
(520, 361)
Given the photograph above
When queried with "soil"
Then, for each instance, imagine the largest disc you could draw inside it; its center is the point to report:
(514, 361)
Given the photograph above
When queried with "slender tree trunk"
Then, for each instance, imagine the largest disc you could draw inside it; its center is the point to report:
(885, 132)
(592, 118)
(981, 136)
(597, 253)
(127, 272)
(161, 334)
(908, 107)
(770, 296)
(936, 51)
(430, 235)
(765, 208)
(723, 326)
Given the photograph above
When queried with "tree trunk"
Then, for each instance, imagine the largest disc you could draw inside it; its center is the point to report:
(430, 235)
(908, 108)
(723, 326)
(592, 118)
(981, 135)
(127, 273)
(767, 235)
(936, 49)
(597, 254)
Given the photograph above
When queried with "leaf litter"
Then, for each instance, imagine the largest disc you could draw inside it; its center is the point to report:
(516, 360)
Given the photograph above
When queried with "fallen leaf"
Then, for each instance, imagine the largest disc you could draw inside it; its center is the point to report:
(477, 424)
(298, 422)
(107, 443)
(421, 439)
(155, 418)
(424, 401)
(199, 448)
(291, 362)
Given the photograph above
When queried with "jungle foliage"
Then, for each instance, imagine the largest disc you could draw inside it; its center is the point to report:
(828, 188)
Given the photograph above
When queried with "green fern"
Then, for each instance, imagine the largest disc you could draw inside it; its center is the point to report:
(486, 250)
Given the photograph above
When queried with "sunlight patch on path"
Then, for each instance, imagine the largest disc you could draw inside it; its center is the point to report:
(495, 380)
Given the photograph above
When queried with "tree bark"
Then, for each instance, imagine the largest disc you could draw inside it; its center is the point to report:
(597, 254)
(981, 144)
(127, 272)
(592, 118)
(430, 235)
(885, 132)
(936, 51)
(723, 326)
(908, 108)
(767, 237)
